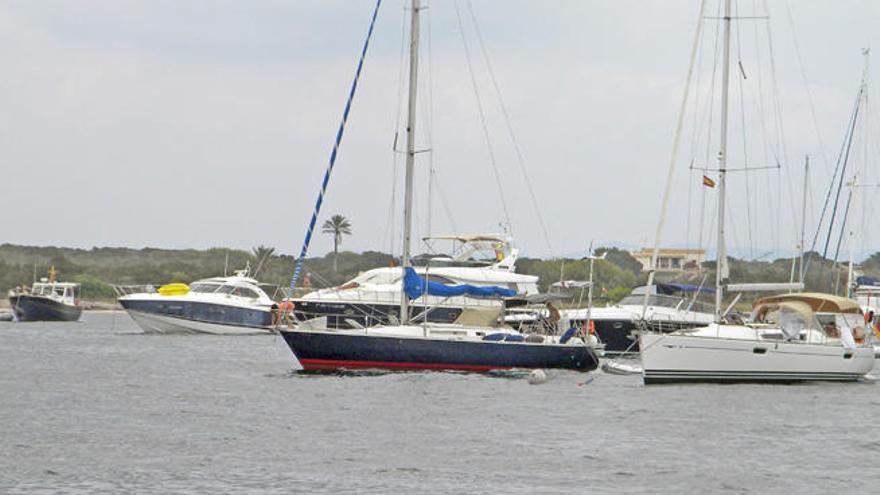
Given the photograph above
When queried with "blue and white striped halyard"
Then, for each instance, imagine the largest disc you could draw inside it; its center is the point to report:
(308, 239)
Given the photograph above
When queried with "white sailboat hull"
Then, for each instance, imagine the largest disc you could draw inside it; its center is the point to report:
(152, 323)
(676, 358)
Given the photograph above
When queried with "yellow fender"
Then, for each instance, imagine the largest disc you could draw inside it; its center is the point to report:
(174, 290)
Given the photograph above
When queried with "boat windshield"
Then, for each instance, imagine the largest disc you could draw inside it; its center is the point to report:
(376, 277)
(47, 290)
(240, 292)
(204, 287)
(832, 322)
(662, 300)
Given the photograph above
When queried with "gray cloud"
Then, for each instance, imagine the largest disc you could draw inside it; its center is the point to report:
(203, 124)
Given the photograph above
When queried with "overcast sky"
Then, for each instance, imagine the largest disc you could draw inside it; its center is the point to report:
(209, 123)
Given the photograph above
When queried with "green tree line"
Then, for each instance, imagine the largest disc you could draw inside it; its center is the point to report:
(97, 268)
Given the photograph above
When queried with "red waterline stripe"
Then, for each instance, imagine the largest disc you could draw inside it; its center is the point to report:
(332, 364)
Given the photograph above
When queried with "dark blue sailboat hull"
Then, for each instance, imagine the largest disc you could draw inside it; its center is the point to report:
(619, 336)
(330, 351)
(36, 308)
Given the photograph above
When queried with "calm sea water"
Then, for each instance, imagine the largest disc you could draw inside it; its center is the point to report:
(96, 406)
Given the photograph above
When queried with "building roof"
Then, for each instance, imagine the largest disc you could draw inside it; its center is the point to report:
(668, 251)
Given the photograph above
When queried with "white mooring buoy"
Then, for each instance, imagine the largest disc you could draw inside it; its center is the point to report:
(537, 377)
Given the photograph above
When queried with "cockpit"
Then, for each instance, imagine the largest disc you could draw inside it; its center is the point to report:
(237, 290)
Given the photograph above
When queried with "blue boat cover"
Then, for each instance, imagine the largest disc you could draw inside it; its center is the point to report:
(415, 286)
(867, 281)
(567, 335)
(673, 287)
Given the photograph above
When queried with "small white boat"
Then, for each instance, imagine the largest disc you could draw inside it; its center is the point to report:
(618, 368)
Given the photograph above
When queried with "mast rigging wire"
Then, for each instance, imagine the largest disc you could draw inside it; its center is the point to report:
(837, 166)
(676, 140)
(308, 239)
(482, 114)
(507, 121)
(708, 125)
(840, 237)
(395, 156)
(800, 59)
(842, 172)
(742, 111)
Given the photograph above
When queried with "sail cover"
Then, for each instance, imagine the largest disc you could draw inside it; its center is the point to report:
(415, 286)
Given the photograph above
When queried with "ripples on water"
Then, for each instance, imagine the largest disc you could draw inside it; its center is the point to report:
(97, 407)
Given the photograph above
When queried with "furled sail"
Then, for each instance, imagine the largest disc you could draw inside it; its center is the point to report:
(415, 286)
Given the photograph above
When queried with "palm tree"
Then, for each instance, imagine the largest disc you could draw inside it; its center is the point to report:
(261, 256)
(338, 225)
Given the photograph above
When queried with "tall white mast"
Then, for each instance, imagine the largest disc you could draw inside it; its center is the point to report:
(410, 153)
(720, 270)
(804, 217)
(852, 239)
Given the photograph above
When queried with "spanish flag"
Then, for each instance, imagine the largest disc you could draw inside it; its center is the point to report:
(708, 182)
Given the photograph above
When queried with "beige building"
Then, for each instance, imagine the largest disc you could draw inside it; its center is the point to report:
(672, 259)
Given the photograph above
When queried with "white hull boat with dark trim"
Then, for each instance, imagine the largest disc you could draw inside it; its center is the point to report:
(47, 300)
(218, 306)
(792, 338)
(373, 297)
(670, 308)
(788, 338)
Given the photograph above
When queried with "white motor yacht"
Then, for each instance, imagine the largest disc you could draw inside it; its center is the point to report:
(373, 297)
(220, 305)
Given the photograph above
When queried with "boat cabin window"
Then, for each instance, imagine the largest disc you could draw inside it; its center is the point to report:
(371, 277)
(52, 290)
(204, 287)
(832, 323)
(655, 300)
(46, 290)
(244, 292)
